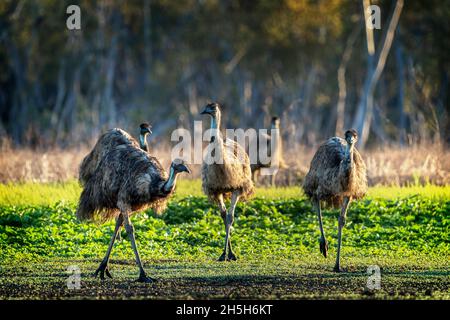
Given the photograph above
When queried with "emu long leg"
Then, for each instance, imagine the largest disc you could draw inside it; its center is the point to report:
(223, 214)
(103, 268)
(272, 179)
(322, 241)
(255, 176)
(130, 231)
(341, 225)
(229, 222)
(118, 238)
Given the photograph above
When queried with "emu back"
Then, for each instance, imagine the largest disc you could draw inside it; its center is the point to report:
(107, 141)
(125, 174)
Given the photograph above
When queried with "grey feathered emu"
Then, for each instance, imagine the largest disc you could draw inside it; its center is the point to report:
(104, 144)
(225, 174)
(337, 176)
(118, 179)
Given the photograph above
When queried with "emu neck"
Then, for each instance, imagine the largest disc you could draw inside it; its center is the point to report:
(346, 168)
(215, 127)
(216, 138)
(143, 142)
(215, 121)
(171, 182)
(278, 146)
(349, 157)
(274, 126)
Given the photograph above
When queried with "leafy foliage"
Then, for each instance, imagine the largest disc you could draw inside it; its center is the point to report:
(264, 229)
(405, 231)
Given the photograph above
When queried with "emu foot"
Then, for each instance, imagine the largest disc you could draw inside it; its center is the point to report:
(338, 269)
(231, 256)
(103, 269)
(223, 257)
(323, 246)
(144, 279)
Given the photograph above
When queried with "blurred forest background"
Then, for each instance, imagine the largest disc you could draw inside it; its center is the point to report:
(313, 63)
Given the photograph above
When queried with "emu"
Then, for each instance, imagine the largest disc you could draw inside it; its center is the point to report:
(225, 174)
(111, 138)
(276, 155)
(126, 179)
(337, 176)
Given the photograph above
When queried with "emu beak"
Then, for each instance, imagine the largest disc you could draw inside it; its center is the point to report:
(205, 111)
(185, 168)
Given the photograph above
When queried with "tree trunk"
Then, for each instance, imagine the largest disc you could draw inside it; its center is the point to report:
(365, 107)
(340, 110)
(401, 91)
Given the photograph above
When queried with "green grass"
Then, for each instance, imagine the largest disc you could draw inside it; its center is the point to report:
(405, 231)
(428, 191)
(35, 194)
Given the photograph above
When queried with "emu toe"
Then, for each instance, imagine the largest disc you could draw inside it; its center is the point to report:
(231, 256)
(227, 257)
(144, 279)
(223, 257)
(323, 246)
(338, 269)
(103, 269)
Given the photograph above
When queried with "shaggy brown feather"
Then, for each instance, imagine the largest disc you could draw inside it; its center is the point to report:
(126, 174)
(227, 168)
(110, 139)
(327, 179)
(233, 174)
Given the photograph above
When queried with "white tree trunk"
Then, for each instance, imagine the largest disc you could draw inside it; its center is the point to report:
(340, 110)
(365, 107)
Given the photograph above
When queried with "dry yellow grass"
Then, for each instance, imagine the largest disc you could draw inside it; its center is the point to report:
(416, 165)
(410, 166)
(55, 165)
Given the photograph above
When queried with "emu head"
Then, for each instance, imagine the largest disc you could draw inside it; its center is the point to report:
(275, 122)
(176, 167)
(145, 128)
(213, 109)
(351, 136)
(179, 165)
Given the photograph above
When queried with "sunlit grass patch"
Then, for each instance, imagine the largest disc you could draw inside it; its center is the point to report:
(33, 193)
(402, 230)
(395, 192)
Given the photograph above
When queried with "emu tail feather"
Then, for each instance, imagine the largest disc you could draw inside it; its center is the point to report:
(86, 208)
(90, 210)
(87, 167)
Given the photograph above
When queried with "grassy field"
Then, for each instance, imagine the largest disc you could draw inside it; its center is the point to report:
(405, 231)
